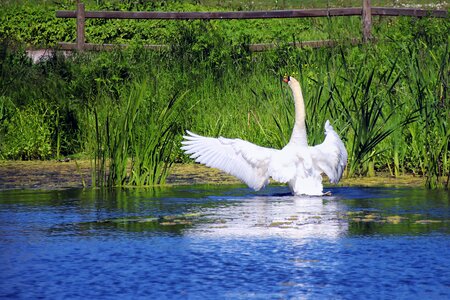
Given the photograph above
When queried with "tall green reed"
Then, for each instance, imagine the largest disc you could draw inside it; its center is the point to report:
(429, 77)
(134, 138)
(371, 118)
(153, 144)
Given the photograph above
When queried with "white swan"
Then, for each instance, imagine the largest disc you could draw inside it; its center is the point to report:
(297, 164)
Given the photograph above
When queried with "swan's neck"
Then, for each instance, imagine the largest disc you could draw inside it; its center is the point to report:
(299, 132)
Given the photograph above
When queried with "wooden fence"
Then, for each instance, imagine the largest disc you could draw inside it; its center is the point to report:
(366, 12)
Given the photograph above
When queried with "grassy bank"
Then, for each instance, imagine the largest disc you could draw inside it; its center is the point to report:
(388, 100)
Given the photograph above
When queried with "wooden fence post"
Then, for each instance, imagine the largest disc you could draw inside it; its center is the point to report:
(367, 21)
(80, 26)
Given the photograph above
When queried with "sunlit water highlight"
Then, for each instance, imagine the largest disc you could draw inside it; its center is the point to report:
(202, 242)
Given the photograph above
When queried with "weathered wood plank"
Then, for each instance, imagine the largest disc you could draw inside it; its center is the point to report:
(252, 47)
(296, 13)
(81, 13)
(97, 47)
(412, 12)
(304, 44)
(366, 20)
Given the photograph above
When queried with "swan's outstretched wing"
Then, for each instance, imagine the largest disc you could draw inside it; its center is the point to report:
(331, 155)
(242, 159)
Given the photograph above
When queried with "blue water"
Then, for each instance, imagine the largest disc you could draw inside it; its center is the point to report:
(200, 242)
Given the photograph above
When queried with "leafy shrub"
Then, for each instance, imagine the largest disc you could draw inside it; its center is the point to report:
(27, 134)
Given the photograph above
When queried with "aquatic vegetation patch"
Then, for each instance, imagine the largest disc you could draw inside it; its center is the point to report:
(428, 221)
(280, 224)
(358, 219)
(362, 221)
(174, 224)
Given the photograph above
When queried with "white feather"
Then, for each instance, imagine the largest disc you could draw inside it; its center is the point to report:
(331, 156)
(242, 159)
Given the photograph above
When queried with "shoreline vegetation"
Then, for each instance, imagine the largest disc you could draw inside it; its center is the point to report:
(126, 110)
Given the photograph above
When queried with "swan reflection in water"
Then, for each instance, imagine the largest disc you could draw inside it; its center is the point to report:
(278, 216)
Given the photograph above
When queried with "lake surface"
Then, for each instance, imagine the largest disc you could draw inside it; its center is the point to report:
(212, 242)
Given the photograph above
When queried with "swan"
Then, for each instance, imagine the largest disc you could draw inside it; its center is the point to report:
(297, 164)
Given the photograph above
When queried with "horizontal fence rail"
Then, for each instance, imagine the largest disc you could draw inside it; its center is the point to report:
(253, 47)
(366, 12)
(408, 12)
(294, 13)
(298, 13)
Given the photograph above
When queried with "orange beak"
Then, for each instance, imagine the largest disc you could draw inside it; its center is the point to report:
(286, 79)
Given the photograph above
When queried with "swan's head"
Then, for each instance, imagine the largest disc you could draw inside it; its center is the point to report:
(290, 80)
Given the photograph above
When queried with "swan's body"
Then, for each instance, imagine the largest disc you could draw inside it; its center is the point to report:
(299, 165)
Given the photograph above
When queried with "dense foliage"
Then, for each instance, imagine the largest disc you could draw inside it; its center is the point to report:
(37, 26)
(388, 100)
